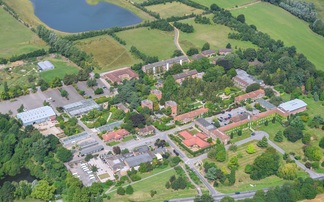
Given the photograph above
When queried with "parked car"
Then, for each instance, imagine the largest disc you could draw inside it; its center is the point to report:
(253, 134)
(237, 192)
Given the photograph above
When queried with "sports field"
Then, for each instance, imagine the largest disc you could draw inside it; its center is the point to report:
(107, 52)
(152, 42)
(216, 35)
(142, 190)
(280, 24)
(16, 39)
(173, 9)
(224, 3)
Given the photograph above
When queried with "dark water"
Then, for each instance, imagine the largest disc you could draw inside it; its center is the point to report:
(24, 175)
(78, 16)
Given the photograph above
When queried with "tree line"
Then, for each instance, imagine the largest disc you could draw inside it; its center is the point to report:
(185, 27)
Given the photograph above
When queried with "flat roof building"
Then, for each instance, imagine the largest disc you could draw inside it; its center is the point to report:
(243, 79)
(74, 138)
(110, 127)
(293, 106)
(37, 115)
(135, 161)
(120, 74)
(266, 104)
(91, 150)
(182, 76)
(163, 65)
(81, 107)
(46, 65)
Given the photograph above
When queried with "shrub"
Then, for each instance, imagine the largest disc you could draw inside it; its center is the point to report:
(121, 191)
(248, 168)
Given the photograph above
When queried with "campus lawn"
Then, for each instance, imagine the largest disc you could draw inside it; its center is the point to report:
(142, 190)
(154, 171)
(107, 52)
(280, 24)
(128, 138)
(61, 69)
(173, 9)
(224, 3)
(216, 35)
(16, 39)
(113, 143)
(152, 42)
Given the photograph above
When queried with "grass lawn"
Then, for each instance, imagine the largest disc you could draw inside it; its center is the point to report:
(152, 42)
(142, 190)
(154, 171)
(16, 39)
(216, 35)
(128, 138)
(107, 52)
(61, 69)
(280, 24)
(173, 9)
(113, 143)
(194, 131)
(224, 3)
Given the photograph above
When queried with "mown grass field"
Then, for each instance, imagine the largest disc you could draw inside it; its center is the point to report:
(173, 9)
(107, 52)
(152, 42)
(243, 180)
(142, 190)
(16, 39)
(280, 24)
(216, 35)
(224, 3)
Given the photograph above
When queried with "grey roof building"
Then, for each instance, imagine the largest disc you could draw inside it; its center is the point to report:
(165, 63)
(110, 127)
(197, 56)
(37, 115)
(81, 107)
(208, 52)
(137, 160)
(91, 150)
(265, 104)
(74, 138)
(46, 65)
(205, 124)
(243, 79)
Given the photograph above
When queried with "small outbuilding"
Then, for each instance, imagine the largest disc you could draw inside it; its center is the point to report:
(45, 65)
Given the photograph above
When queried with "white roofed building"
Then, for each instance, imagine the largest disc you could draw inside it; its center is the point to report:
(293, 106)
(46, 65)
(81, 107)
(37, 115)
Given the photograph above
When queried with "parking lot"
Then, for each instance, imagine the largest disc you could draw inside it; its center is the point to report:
(56, 100)
(83, 171)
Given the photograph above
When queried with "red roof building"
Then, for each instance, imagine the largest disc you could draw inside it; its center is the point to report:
(185, 134)
(120, 74)
(115, 135)
(190, 115)
(194, 140)
(157, 93)
(252, 95)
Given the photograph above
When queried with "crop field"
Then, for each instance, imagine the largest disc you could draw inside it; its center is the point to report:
(216, 35)
(152, 42)
(173, 9)
(107, 52)
(280, 24)
(16, 39)
(142, 190)
(224, 3)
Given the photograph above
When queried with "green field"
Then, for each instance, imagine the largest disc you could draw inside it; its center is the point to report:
(107, 52)
(142, 190)
(61, 69)
(173, 9)
(224, 3)
(152, 42)
(216, 35)
(280, 24)
(16, 39)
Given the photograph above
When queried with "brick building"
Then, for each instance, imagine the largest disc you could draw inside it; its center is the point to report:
(173, 106)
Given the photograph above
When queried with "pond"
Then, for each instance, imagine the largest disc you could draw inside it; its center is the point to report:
(78, 16)
(24, 175)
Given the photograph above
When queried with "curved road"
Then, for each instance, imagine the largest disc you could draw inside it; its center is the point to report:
(176, 40)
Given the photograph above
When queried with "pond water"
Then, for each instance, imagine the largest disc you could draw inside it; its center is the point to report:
(24, 175)
(79, 16)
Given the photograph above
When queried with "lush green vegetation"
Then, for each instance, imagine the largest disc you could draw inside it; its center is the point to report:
(224, 3)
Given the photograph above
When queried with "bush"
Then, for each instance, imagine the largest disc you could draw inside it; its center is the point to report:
(248, 168)
(250, 149)
(315, 165)
(129, 190)
(233, 148)
(121, 191)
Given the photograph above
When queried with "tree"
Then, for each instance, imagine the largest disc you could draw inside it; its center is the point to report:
(313, 153)
(64, 93)
(98, 91)
(173, 161)
(43, 191)
(205, 197)
(121, 191)
(21, 109)
(116, 150)
(192, 51)
(233, 163)
(241, 18)
(297, 123)
(233, 148)
(316, 97)
(250, 149)
(220, 153)
(278, 137)
(91, 82)
(176, 53)
(88, 157)
(206, 46)
(321, 143)
(213, 73)
(227, 91)
(268, 92)
(288, 171)
(266, 164)
(7, 192)
(63, 154)
(252, 87)
(263, 143)
(293, 134)
(307, 138)
(229, 46)
(248, 168)
(129, 190)
(179, 183)
(227, 199)
(211, 174)
(153, 192)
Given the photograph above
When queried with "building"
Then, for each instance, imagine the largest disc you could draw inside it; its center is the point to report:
(109, 127)
(254, 95)
(91, 150)
(204, 125)
(135, 161)
(148, 130)
(208, 53)
(184, 118)
(73, 139)
(121, 106)
(265, 104)
(182, 76)
(37, 115)
(240, 117)
(81, 107)
(224, 51)
(197, 57)
(243, 79)
(164, 65)
(157, 93)
(194, 142)
(173, 105)
(119, 75)
(147, 103)
(46, 65)
(293, 106)
(115, 135)
(221, 136)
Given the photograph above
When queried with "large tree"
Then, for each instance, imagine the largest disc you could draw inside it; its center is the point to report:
(43, 191)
